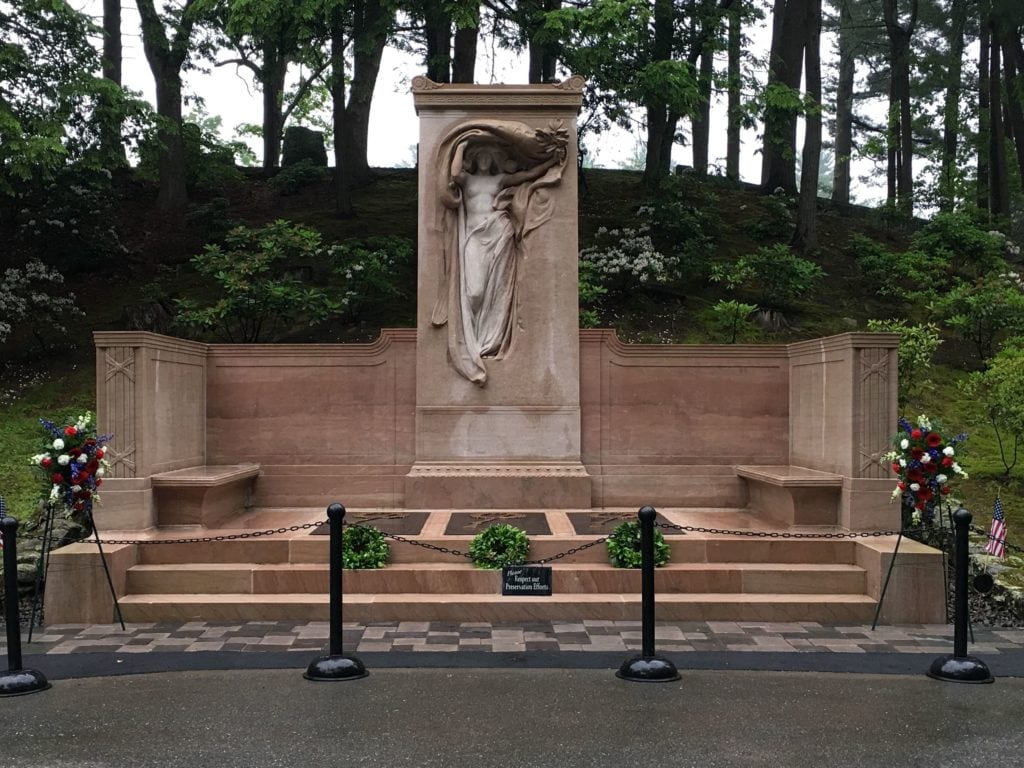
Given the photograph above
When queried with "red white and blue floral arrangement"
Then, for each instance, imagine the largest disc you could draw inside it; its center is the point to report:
(925, 462)
(73, 464)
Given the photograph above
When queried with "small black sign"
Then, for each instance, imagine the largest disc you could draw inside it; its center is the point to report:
(533, 580)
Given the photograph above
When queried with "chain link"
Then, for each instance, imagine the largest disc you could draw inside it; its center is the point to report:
(779, 534)
(205, 539)
(428, 545)
(990, 537)
(567, 552)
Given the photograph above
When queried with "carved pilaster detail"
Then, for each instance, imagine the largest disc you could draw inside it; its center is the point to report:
(875, 422)
(119, 378)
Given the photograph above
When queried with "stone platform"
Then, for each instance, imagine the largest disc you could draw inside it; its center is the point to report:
(284, 575)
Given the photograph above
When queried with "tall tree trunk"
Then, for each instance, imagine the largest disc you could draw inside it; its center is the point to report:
(660, 127)
(984, 111)
(173, 194)
(166, 57)
(951, 118)
(370, 33)
(778, 167)
(464, 61)
(805, 238)
(702, 120)
(543, 52)
(113, 146)
(1000, 183)
(844, 106)
(1013, 60)
(274, 71)
(342, 183)
(901, 137)
(733, 127)
(438, 27)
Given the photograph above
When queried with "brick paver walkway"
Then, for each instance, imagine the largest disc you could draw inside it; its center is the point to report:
(801, 637)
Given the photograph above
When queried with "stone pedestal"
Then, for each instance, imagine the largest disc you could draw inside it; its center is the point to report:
(510, 438)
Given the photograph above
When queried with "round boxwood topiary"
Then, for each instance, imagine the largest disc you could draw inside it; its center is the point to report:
(498, 546)
(363, 546)
(624, 546)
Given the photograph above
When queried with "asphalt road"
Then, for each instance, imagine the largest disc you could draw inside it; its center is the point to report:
(501, 717)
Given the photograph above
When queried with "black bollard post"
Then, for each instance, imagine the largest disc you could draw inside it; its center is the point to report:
(335, 666)
(960, 668)
(15, 681)
(647, 667)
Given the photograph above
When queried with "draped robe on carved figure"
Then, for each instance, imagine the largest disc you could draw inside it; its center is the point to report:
(492, 194)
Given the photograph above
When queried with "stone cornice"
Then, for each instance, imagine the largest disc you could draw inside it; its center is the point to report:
(428, 95)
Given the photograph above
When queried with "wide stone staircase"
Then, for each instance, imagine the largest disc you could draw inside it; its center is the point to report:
(282, 576)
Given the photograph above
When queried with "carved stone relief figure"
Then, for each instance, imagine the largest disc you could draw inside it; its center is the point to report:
(492, 193)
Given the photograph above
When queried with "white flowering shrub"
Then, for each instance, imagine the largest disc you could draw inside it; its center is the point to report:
(626, 257)
(68, 221)
(33, 297)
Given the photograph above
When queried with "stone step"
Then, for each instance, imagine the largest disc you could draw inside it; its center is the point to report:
(432, 579)
(699, 606)
(693, 548)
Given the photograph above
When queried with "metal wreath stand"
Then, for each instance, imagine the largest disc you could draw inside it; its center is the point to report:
(44, 563)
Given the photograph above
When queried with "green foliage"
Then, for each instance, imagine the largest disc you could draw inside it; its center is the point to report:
(591, 292)
(773, 273)
(917, 348)
(257, 293)
(293, 178)
(965, 250)
(984, 312)
(731, 321)
(624, 547)
(905, 275)
(374, 271)
(209, 161)
(626, 259)
(33, 298)
(998, 395)
(777, 222)
(53, 103)
(684, 223)
(364, 546)
(498, 546)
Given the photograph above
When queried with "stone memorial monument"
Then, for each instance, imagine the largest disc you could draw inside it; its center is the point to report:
(497, 346)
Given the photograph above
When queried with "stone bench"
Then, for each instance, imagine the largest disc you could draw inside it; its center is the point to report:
(205, 495)
(793, 495)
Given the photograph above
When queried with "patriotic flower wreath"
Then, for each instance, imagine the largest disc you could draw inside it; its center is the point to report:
(72, 463)
(924, 462)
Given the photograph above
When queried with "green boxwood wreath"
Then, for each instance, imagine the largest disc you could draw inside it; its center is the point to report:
(624, 546)
(363, 546)
(498, 546)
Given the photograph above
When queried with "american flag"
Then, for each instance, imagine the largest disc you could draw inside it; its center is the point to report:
(997, 534)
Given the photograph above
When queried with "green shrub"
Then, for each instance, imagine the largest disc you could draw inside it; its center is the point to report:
(293, 178)
(773, 273)
(904, 275)
(624, 547)
(777, 223)
(34, 298)
(731, 321)
(965, 250)
(998, 395)
(209, 161)
(591, 291)
(257, 293)
(498, 546)
(363, 546)
(374, 271)
(917, 347)
(984, 312)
